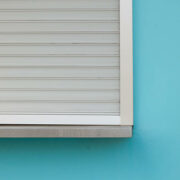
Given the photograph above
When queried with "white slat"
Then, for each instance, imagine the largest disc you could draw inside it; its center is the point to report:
(102, 95)
(58, 84)
(60, 71)
(60, 14)
(44, 4)
(45, 26)
(44, 60)
(59, 57)
(56, 37)
(61, 48)
(36, 107)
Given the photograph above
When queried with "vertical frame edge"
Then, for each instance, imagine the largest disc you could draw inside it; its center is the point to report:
(126, 62)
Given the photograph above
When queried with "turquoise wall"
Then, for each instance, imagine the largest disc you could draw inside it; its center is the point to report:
(154, 151)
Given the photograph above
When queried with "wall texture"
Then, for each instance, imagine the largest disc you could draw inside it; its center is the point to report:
(154, 151)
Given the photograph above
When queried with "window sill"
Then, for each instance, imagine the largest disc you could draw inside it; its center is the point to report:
(30, 131)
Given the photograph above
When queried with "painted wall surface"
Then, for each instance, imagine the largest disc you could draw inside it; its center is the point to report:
(154, 151)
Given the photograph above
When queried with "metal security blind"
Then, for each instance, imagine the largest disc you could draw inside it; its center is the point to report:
(59, 57)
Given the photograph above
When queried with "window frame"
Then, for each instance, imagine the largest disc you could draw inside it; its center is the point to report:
(103, 126)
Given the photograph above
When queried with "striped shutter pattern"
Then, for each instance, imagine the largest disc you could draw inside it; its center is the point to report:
(59, 57)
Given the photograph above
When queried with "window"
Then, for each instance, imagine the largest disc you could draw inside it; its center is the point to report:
(66, 68)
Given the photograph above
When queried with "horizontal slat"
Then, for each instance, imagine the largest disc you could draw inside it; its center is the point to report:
(58, 9)
(61, 37)
(56, 107)
(58, 131)
(59, 61)
(60, 101)
(67, 114)
(59, 72)
(58, 44)
(112, 95)
(57, 66)
(61, 49)
(45, 84)
(59, 55)
(57, 32)
(36, 4)
(61, 26)
(59, 15)
(58, 21)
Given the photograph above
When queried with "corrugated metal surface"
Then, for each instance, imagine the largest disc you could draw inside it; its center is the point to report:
(59, 57)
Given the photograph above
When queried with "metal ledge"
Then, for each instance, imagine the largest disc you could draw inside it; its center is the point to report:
(30, 131)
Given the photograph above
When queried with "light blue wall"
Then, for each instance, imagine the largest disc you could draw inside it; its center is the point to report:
(154, 151)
